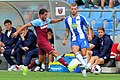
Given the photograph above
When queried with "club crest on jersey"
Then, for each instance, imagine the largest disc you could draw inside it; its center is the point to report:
(60, 10)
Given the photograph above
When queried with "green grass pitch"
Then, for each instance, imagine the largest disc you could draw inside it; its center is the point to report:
(5, 75)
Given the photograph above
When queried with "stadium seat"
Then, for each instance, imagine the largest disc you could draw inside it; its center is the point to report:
(109, 25)
(98, 24)
(85, 14)
(109, 28)
(107, 16)
(118, 16)
(95, 15)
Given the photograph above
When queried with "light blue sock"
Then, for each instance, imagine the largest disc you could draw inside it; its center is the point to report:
(37, 62)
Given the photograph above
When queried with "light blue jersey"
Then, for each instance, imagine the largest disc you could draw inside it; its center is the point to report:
(40, 23)
(78, 35)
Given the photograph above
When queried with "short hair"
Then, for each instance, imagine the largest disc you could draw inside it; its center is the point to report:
(101, 28)
(42, 11)
(50, 30)
(73, 4)
(7, 21)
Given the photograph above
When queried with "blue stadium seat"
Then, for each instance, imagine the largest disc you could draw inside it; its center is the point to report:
(85, 14)
(109, 25)
(101, 24)
(89, 21)
(96, 25)
(107, 16)
(109, 28)
(96, 15)
(118, 16)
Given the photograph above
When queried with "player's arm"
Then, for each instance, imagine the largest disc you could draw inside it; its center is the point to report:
(91, 46)
(66, 36)
(57, 20)
(66, 33)
(22, 28)
(89, 32)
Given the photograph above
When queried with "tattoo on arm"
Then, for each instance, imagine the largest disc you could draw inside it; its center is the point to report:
(88, 29)
(66, 34)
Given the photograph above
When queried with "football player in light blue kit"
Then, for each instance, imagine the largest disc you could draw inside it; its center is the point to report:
(75, 23)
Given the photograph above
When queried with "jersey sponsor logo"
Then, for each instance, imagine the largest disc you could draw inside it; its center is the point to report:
(74, 26)
(45, 26)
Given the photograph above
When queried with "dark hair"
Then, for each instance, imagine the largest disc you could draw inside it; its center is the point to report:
(42, 11)
(50, 30)
(101, 28)
(7, 21)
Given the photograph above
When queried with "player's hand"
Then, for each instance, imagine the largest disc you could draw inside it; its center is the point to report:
(62, 18)
(14, 35)
(64, 42)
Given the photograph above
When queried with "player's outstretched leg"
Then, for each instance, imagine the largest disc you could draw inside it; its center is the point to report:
(25, 70)
(73, 64)
(31, 65)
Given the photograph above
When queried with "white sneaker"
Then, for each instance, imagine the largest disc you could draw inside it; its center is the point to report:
(15, 69)
(20, 67)
(37, 68)
(11, 68)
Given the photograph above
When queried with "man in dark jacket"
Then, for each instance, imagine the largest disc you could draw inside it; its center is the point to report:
(26, 45)
(105, 49)
(9, 43)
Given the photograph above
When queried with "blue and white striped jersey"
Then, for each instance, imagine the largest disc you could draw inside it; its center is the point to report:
(76, 25)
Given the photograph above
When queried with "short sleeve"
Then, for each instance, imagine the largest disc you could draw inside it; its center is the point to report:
(36, 22)
(66, 23)
(84, 21)
(48, 21)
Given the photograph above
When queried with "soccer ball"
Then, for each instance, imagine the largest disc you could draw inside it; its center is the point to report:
(96, 69)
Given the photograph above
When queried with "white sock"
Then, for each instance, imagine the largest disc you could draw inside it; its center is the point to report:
(89, 64)
(80, 58)
(43, 66)
(85, 59)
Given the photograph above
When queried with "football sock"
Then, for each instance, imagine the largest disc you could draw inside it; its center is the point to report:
(80, 58)
(85, 59)
(62, 61)
(33, 64)
(89, 64)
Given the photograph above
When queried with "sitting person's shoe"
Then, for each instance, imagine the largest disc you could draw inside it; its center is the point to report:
(0, 61)
(25, 71)
(11, 68)
(42, 70)
(112, 63)
(37, 69)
